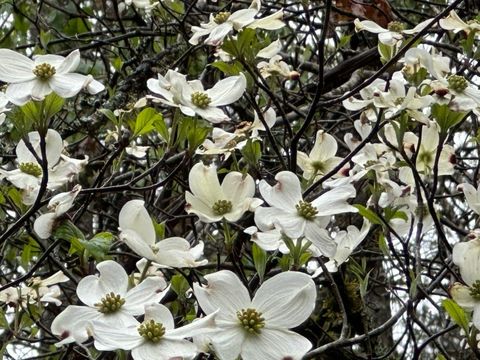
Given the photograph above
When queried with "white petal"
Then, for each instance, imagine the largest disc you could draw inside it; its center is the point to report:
(271, 22)
(199, 207)
(204, 183)
(54, 148)
(67, 85)
(228, 341)
(285, 194)
(112, 278)
(212, 114)
(14, 67)
(150, 290)
(224, 291)
(320, 238)
(70, 63)
(237, 187)
(198, 327)
(286, 300)
(40, 89)
(369, 26)
(325, 147)
(466, 256)
(176, 252)
(133, 216)
(166, 349)
(335, 201)
(160, 314)
(217, 35)
(43, 225)
(108, 338)
(472, 196)
(271, 50)
(70, 324)
(461, 294)
(20, 93)
(273, 344)
(228, 90)
(242, 18)
(138, 245)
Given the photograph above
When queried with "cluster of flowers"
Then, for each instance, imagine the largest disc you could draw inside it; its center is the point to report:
(125, 313)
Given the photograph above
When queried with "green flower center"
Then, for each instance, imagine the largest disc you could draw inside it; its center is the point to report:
(221, 207)
(44, 71)
(151, 331)
(318, 166)
(200, 99)
(110, 303)
(396, 26)
(251, 320)
(425, 157)
(306, 210)
(221, 17)
(457, 83)
(475, 290)
(30, 169)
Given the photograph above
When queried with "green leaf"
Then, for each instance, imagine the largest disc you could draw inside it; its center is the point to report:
(229, 69)
(252, 152)
(259, 260)
(368, 214)
(180, 285)
(52, 104)
(146, 121)
(446, 117)
(195, 131)
(457, 314)
(109, 115)
(99, 245)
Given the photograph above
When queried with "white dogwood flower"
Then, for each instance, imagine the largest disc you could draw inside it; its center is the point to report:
(454, 23)
(221, 24)
(466, 256)
(322, 157)
(297, 217)
(28, 175)
(138, 232)
(58, 205)
(212, 202)
(34, 79)
(191, 97)
(3, 106)
(154, 338)
(108, 300)
(249, 327)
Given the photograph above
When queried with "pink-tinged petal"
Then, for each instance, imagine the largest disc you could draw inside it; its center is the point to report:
(20, 93)
(15, 67)
(286, 300)
(320, 238)
(150, 290)
(67, 85)
(228, 342)
(217, 35)
(200, 208)
(166, 349)
(273, 344)
(133, 216)
(113, 278)
(224, 291)
(285, 194)
(334, 201)
(228, 90)
(204, 184)
(70, 63)
(71, 324)
(160, 314)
